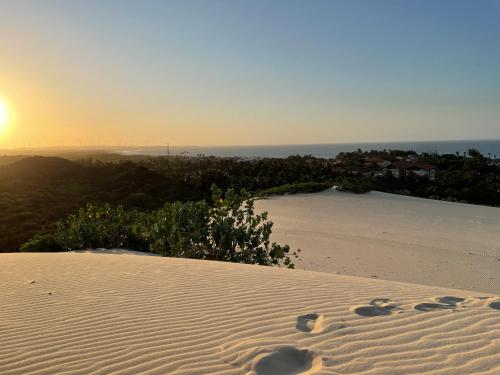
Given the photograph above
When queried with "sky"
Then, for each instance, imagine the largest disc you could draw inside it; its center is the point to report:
(212, 72)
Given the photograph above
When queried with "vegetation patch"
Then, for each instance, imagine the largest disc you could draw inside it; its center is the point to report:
(37, 192)
(304, 187)
(358, 185)
(228, 230)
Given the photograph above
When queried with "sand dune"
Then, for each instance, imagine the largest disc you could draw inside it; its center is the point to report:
(391, 237)
(92, 313)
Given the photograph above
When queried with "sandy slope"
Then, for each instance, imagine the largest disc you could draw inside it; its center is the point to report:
(87, 313)
(391, 237)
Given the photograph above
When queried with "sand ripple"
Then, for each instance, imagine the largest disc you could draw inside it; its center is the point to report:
(124, 314)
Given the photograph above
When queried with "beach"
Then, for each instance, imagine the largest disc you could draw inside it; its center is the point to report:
(127, 313)
(391, 237)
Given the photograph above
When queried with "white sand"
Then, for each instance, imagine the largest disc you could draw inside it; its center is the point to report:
(87, 313)
(391, 237)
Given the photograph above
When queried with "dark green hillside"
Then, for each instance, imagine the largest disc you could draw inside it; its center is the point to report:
(37, 191)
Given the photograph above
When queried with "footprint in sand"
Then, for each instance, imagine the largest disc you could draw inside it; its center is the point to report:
(442, 303)
(287, 360)
(312, 323)
(495, 305)
(377, 307)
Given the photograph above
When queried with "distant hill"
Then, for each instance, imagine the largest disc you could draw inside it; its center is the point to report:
(9, 159)
(37, 191)
(36, 167)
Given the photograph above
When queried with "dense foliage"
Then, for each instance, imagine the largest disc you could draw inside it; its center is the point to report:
(358, 185)
(303, 187)
(468, 179)
(228, 230)
(36, 192)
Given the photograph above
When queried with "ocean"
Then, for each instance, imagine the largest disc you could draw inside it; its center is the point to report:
(486, 147)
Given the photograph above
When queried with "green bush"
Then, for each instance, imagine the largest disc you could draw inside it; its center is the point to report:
(178, 230)
(358, 185)
(237, 234)
(45, 242)
(92, 227)
(229, 230)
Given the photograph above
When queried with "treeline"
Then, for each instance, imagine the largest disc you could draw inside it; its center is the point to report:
(461, 177)
(252, 175)
(471, 178)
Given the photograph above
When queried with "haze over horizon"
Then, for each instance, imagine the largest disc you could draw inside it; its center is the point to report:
(247, 73)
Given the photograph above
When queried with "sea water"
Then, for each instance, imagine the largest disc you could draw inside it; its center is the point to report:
(487, 147)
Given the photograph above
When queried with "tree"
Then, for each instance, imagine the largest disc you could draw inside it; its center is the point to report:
(238, 234)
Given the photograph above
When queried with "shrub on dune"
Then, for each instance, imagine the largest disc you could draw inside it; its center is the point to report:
(228, 230)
